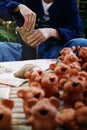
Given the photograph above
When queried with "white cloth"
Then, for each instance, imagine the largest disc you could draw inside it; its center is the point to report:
(46, 6)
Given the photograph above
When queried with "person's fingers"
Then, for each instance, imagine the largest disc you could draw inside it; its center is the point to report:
(37, 42)
(33, 21)
(26, 22)
(34, 35)
(30, 21)
(35, 39)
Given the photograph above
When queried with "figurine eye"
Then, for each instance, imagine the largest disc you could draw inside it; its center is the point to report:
(43, 112)
(1, 116)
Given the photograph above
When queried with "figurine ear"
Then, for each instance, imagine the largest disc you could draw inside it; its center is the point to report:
(73, 48)
(73, 72)
(55, 102)
(8, 103)
(35, 84)
(52, 66)
(79, 105)
(79, 48)
(21, 93)
(31, 103)
(27, 74)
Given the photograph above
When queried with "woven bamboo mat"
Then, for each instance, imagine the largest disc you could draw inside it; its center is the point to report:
(18, 116)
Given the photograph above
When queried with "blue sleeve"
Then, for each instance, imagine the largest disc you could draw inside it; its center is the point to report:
(6, 7)
(11, 5)
(72, 23)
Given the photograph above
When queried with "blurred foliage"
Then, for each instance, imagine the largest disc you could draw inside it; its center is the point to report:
(7, 31)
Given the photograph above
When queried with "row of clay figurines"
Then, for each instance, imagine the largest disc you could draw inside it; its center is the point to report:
(44, 115)
(65, 82)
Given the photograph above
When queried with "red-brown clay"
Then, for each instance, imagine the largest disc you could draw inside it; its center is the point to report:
(74, 118)
(44, 114)
(5, 114)
(28, 95)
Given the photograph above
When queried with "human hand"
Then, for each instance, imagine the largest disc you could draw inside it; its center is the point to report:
(38, 36)
(29, 17)
(41, 35)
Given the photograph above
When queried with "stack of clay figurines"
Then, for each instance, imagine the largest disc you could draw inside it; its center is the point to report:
(57, 98)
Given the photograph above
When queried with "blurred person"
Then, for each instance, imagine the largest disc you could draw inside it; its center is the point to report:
(56, 23)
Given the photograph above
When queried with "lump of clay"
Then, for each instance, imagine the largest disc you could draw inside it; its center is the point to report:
(24, 33)
(27, 67)
(6, 106)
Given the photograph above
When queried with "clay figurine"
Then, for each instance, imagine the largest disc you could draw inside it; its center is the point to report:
(73, 90)
(44, 114)
(67, 51)
(49, 83)
(34, 76)
(28, 95)
(82, 54)
(6, 106)
(74, 118)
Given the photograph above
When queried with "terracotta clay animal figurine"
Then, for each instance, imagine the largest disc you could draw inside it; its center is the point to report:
(28, 95)
(44, 114)
(34, 76)
(82, 54)
(62, 71)
(49, 83)
(24, 33)
(6, 106)
(67, 51)
(73, 90)
(74, 118)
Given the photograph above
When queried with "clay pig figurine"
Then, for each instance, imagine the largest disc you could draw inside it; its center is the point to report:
(44, 114)
(6, 106)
